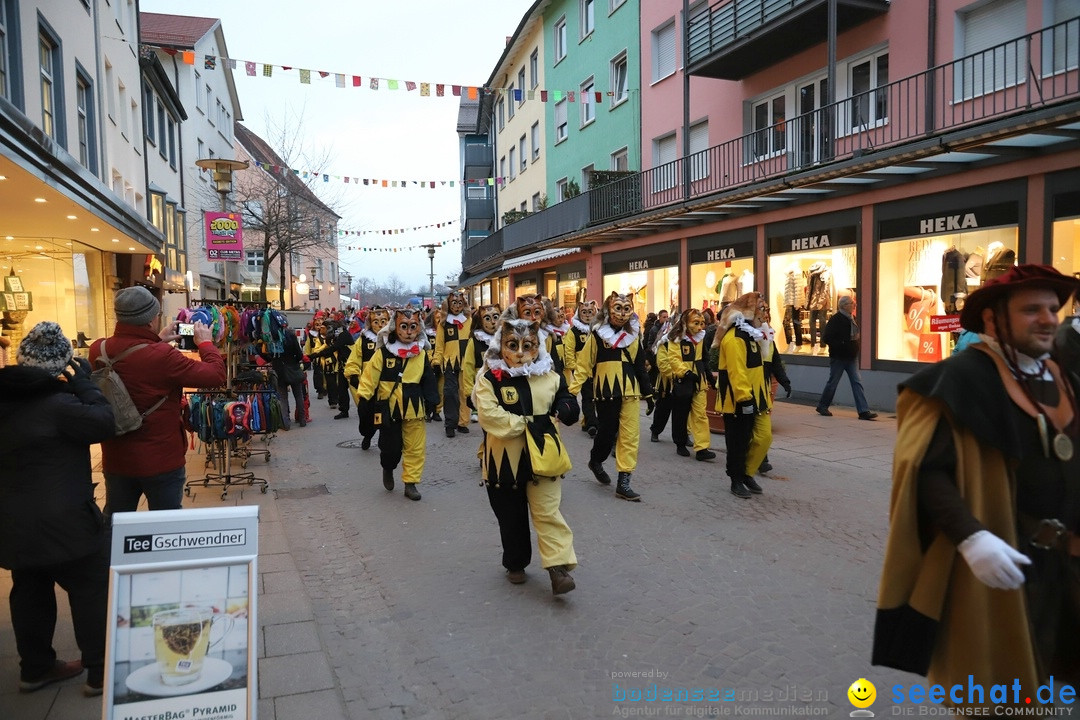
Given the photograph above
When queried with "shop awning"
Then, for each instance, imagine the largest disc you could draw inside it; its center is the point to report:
(538, 256)
(473, 279)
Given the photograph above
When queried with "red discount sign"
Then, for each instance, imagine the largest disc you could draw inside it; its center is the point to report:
(945, 323)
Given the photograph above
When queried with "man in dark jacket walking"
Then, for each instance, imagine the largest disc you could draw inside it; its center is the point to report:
(51, 531)
(842, 336)
(150, 461)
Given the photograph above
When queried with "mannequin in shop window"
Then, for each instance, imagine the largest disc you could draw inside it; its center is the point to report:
(746, 282)
(793, 295)
(819, 301)
(953, 278)
(973, 266)
(727, 288)
(998, 260)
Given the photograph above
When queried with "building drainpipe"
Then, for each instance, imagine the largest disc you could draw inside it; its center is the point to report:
(931, 61)
(686, 99)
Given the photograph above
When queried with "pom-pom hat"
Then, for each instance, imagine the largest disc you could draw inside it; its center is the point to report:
(45, 347)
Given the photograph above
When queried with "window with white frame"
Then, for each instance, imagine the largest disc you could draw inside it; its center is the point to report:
(198, 95)
(84, 109)
(511, 108)
(620, 160)
(980, 29)
(502, 168)
(521, 84)
(560, 121)
(665, 169)
(588, 19)
(560, 189)
(536, 202)
(148, 119)
(663, 51)
(535, 137)
(163, 140)
(770, 133)
(534, 69)
(122, 109)
(524, 206)
(620, 79)
(586, 176)
(1063, 52)
(614, 5)
(502, 113)
(50, 65)
(110, 89)
(513, 163)
(172, 142)
(254, 260)
(587, 102)
(523, 155)
(560, 39)
(699, 143)
(209, 97)
(871, 74)
(202, 151)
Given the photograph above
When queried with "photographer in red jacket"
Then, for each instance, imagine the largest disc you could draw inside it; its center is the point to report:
(150, 461)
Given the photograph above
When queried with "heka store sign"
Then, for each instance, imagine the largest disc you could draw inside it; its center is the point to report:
(224, 237)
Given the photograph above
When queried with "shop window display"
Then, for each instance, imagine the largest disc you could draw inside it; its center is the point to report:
(805, 287)
(1066, 252)
(715, 285)
(923, 278)
(569, 293)
(652, 290)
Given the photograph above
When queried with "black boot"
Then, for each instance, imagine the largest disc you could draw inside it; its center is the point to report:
(654, 436)
(752, 485)
(411, 492)
(365, 444)
(681, 450)
(388, 479)
(623, 489)
(601, 475)
(739, 490)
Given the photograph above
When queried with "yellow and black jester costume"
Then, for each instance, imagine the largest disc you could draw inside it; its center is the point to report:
(613, 358)
(362, 351)
(573, 341)
(452, 336)
(485, 324)
(523, 457)
(396, 388)
(681, 360)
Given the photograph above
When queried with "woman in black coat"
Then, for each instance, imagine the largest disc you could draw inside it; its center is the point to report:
(51, 530)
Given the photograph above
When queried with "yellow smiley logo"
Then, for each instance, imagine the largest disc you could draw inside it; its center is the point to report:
(862, 693)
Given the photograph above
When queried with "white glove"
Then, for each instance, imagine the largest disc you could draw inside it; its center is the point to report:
(993, 561)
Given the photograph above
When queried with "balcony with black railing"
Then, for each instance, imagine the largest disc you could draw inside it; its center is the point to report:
(733, 39)
(1006, 82)
(478, 161)
(476, 251)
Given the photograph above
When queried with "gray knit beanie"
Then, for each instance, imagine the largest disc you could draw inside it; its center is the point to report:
(45, 347)
(136, 306)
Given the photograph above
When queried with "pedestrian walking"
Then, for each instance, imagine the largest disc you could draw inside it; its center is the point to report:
(981, 579)
(842, 336)
(150, 461)
(51, 531)
(613, 358)
(523, 458)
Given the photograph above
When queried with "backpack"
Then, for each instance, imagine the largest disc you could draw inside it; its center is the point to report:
(126, 416)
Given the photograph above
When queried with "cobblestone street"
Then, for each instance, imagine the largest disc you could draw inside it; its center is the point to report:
(372, 606)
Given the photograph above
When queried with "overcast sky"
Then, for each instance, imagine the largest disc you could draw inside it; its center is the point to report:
(368, 133)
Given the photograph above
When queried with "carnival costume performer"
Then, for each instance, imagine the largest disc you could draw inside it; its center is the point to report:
(981, 581)
(452, 335)
(580, 328)
(313, 343)
(613, 358)
(523, 457)
(681, 360)
(555, 326)
(485, 322)
(741, 391)
(432, 319)
(396, 388)
(362, 351)
(663, 383)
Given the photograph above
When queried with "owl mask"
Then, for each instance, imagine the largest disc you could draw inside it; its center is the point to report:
(487, 318)
(519, 342)
(407, 326)
(377, 318)
(530, 307)
(455, 303)
(586, 312)
(618, 309)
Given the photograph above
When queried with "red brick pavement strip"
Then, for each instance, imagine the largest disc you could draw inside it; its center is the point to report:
(373, 606)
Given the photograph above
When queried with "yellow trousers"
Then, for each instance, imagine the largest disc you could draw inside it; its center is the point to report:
(618, 428)
(553, 535)
(698, 422)
(438, 408)
(760, 441)
(413, 453)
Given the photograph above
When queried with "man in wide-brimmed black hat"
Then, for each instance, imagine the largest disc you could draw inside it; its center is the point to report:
(982, 565)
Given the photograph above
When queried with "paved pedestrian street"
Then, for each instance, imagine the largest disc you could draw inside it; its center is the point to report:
(372, 606)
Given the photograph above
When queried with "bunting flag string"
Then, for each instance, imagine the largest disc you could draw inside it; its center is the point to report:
(376, 182)
(396, 231)
(402, 248)
(341, 80)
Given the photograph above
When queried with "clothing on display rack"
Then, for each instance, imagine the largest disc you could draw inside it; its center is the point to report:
(819, 299)
(746, 282)
(727, 288)
(953, 279)
(793, 306)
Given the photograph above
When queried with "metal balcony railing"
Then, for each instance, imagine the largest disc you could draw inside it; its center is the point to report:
(1026, 73)
(477, 250)
(728, 20)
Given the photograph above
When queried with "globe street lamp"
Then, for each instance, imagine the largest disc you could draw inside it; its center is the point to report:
(223, 170)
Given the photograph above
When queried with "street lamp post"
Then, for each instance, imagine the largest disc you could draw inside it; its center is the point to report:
(222, 170)
(431, 276)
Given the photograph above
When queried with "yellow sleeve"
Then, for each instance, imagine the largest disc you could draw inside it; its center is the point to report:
(440, 348)
(733, 350)
(468, 367)
(355, 363)
(369, 378)
(678, 366)
(569, 349)
(494, 418)
(585, 363)
(664, 360)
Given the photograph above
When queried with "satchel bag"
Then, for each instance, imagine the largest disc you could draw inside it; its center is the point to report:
(684, 388)
(547, 453)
